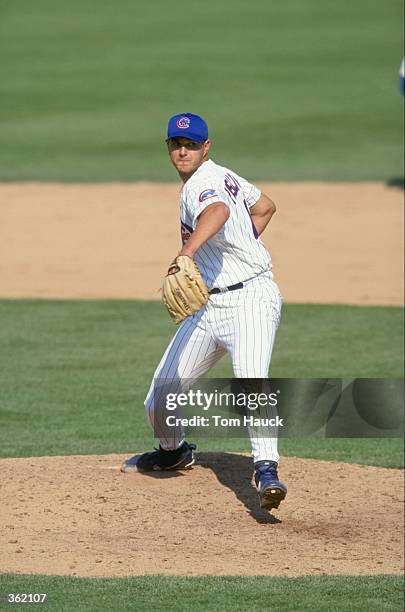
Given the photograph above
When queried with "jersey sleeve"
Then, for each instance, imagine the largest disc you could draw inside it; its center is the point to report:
(201, 195)
(251, 193)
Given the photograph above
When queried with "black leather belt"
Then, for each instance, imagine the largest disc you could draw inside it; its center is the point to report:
(225, 289)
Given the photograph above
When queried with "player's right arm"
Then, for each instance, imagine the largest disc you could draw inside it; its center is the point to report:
(209, 223)
(262, 212)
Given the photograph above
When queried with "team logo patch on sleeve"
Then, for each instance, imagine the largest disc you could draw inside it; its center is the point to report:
(207, 193)
(183, 123)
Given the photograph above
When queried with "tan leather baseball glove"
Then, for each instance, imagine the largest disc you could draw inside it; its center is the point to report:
(184, 290)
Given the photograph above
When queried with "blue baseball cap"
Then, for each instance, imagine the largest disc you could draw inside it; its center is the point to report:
(189, 126)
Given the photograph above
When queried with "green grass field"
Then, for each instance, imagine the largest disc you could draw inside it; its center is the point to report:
(74, 374)
(212, 594)
(292, 91)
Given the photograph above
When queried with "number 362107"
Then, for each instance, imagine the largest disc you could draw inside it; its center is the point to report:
(26, 597)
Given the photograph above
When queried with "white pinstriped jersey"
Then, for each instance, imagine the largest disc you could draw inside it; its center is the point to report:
(236, 252)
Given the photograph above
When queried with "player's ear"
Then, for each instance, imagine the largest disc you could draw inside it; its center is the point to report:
(206, 146)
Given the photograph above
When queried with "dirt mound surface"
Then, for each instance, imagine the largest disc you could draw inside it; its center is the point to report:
(330, 242)
(82, 516)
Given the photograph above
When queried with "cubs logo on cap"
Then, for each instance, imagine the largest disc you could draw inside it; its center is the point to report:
(189, 126)
(183, 122)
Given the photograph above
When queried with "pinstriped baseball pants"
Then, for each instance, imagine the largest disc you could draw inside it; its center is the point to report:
(243, 323)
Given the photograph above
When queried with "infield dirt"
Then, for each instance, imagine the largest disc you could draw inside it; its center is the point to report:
(82, 516)
(330, 242)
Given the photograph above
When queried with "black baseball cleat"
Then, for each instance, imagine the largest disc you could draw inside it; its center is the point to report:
(161, 460)
(271, 490)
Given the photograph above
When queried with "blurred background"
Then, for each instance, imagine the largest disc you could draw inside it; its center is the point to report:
(300, 90)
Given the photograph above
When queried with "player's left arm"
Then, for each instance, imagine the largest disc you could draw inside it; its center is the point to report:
(261, 212)
(209, 223)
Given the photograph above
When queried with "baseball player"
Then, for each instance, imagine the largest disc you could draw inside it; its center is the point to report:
(222, 216)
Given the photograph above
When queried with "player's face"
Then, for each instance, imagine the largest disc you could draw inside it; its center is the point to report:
(187, 155)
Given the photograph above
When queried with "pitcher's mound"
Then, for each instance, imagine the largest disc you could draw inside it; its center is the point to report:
(82, 516)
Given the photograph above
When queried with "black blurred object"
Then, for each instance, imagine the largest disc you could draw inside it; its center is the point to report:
(398, 182)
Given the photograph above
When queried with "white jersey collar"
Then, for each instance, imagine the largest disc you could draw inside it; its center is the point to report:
(203, 166)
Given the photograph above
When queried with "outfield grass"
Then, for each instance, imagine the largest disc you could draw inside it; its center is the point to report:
(293, 90)
(217, 594)
(74, 374)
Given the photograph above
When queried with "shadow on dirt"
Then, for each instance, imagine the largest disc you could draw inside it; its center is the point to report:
(235, 472)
